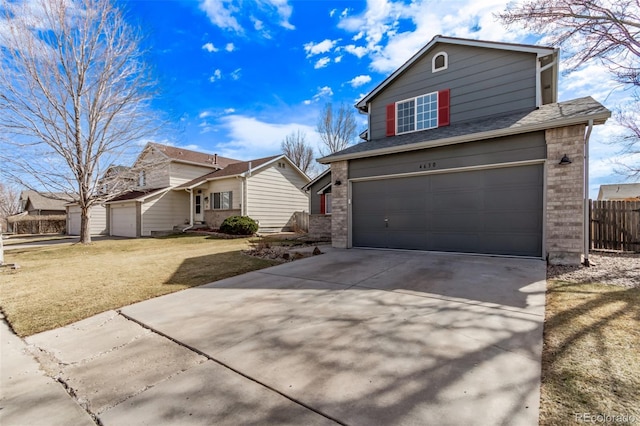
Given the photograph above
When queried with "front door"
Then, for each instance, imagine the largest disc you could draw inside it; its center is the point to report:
(198, 208)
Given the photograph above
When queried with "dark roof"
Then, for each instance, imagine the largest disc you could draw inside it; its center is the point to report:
(231, 170)
(45, 200)
(315, 179)
(134, 195)
(548, 116)
(181, 154)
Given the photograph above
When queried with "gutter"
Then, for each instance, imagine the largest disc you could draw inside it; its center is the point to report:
(596, 119)
(587, 219)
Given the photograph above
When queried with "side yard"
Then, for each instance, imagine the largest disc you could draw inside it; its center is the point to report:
(590, 363)
(58, 285)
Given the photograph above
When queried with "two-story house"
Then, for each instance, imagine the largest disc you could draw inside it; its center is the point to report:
(468, 150)
(180, 187)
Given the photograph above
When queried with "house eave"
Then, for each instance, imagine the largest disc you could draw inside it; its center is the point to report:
(598, 119)
(539, 51)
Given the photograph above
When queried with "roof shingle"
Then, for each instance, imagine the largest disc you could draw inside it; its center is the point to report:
(181, 154)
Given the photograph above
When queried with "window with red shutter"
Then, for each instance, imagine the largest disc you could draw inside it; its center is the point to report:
(391, 119)
(323, 206)
(443, 107)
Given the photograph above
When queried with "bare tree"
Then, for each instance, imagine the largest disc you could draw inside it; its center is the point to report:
(298, 150)
(605, 31)
(9, 203)
(337, 130)
(74, 96)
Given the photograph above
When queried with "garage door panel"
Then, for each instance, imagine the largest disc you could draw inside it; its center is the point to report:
(123, 221)
(493, 211)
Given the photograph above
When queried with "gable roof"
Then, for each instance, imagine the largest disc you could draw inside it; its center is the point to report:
(560, 114)
(192, 157)
(42, 201)
(317, 178)
(539, 51)
(231, 170)
(137, 195)
(619, 191)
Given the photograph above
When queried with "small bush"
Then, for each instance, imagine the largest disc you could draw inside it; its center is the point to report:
(239, 225)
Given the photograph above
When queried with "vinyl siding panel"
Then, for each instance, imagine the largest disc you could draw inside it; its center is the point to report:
(483, 83)
(274, 194)
(97, 221)
(181, 173)
(157, 174)
(529, 146)
(224, 185)
(163, 212)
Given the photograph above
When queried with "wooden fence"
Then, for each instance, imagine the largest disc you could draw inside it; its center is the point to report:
(300, 222)
(615, 225)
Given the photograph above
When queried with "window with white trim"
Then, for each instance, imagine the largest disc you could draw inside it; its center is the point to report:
(439, 62)
(142, 178)
(222, 200)
(327, 203)
(419, 113)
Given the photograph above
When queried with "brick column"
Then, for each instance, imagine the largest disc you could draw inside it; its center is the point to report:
(339, 205)
(565, 196)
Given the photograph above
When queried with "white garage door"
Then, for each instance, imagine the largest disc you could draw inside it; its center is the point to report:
(123, 221)
(74, 223)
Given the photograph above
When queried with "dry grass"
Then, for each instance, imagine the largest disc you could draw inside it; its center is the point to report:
(590, 360)
(58, 285)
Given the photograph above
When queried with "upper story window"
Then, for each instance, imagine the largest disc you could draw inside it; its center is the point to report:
(142, 178)
(439, 62)
(420, 113)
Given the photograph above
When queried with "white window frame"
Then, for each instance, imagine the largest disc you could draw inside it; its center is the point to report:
(327, 203)
(415, 114)
(142, 178)
(221, 198)
(433, 62)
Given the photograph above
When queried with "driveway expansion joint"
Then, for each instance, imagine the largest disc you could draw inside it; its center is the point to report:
(223, 364)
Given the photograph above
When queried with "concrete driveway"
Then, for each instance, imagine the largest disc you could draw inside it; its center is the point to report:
(357, 337)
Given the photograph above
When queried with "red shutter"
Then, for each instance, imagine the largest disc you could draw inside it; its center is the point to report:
(391, 119)
(323, 208)
(443, 107)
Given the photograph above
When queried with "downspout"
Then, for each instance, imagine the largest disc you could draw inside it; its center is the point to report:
(587, 219)
(190, 191)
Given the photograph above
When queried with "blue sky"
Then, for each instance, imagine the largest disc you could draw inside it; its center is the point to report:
(238, 76)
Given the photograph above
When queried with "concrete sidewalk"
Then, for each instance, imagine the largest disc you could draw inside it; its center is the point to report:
(27, 395)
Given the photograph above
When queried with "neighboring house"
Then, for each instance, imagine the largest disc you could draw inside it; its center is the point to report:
(319, 190)
(265, 189)
(97, 220)
(465, 151)
(41, 204)
(620, 192)
(179, 187)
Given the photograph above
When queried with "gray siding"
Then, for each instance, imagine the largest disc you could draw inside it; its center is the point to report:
(313, 193)
(529, 146)
(483, 83)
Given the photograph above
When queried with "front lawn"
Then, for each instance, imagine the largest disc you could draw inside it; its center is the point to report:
(58, 285)
(590, 359)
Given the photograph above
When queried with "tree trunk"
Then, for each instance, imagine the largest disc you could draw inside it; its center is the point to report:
(85, 233)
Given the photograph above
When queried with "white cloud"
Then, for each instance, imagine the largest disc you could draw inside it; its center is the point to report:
(229, 110)
(220, 12)
(324, 46)
(229, 47)
(338, 59)
(252, 138)
(236, 74)
(358, 51)
(225, 14)
(209, 47)
(359, 80)
(322, 62)
(322, 93)
(332, 12)
(217, 75)
(205, 114)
